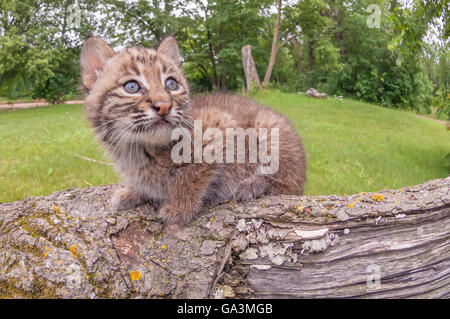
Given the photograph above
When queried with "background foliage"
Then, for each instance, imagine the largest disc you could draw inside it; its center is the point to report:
(327, 44)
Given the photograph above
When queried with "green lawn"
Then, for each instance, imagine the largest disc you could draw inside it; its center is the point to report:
(351, 147)
(38, 148)
(354, 146)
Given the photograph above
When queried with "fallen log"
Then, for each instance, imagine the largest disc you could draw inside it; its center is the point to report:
(71, 244)
(314, 93)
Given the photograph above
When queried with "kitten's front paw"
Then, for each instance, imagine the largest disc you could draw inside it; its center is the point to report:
(125, 198)
(173, 215)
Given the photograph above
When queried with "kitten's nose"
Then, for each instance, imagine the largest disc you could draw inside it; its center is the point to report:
(162, 107)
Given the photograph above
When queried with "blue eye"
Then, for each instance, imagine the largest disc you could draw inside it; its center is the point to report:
(131, 87)
(171, 84)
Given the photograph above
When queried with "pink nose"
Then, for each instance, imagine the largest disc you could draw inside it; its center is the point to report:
(162, 107)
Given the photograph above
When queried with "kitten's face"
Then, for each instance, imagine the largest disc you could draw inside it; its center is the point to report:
(137, 94)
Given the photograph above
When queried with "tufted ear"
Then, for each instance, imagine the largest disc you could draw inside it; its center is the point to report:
(94, 54)
(169, 47)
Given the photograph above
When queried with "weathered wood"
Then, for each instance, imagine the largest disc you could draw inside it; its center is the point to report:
(72, 244)
(249, 68)
(312, 92)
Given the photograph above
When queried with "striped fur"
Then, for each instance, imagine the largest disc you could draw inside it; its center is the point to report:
(138, 139)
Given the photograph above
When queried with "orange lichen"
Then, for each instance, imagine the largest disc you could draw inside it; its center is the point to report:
(351, 205)
(377, 197)
(73, 250)
(55, 208)
(135, 275)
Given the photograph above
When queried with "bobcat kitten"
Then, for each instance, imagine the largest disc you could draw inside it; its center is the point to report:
(136, 98)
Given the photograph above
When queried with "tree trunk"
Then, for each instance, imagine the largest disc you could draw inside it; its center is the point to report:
(167, 11)
(251, 74)
(298, 56)
(59, 98)
(223, 81)
(213, 64)
(274, 50)
(72, 244)
(311, 55)
(311, 61)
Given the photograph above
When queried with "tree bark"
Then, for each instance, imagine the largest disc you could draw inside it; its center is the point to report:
(72, 244)
(213, 62)
(251, 74)
(311, 61)
(274, 50)
(59, 98)
(298, 56)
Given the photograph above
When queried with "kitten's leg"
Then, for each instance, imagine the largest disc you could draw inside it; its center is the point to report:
(250, 188)
(125, 198)
(229, 187)
(185, 194)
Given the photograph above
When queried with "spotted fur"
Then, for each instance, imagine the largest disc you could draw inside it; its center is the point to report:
(138, 140)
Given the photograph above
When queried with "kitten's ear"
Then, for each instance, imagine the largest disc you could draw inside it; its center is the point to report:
(94, 54)
(169, 47)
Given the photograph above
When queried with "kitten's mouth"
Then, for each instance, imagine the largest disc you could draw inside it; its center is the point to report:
(154, 127)
(161, 125)
(161, 122)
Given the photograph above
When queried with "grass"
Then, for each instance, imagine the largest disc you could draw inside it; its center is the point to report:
(38, 148)
(351, 146)
(354, 146)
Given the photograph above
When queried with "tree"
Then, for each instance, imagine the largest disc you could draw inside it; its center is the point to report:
(55, 74)
(317, 46)
(328, 42)
(40, 39)
(139, 22)
(274, 49)
(411, 24)
(18, 26)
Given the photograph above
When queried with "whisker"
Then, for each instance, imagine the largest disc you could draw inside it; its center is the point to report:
(119, 135)
(96, 128)
(123, 134)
